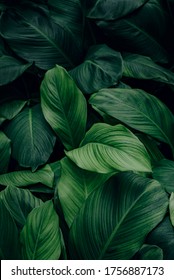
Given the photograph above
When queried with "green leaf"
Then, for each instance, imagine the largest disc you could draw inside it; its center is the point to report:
(137, 109)
(75, 186)
(102, 68)
(111, 9)
(115, 219)
(23, 178)
(171, 208)
(32, 138)
(64, 106)
(41, 236)
(142, 32)
(9, 241)
(107, 149)
(5, 152)
(149, 252)
(164, 173)
(8, 110)
(19, 203)
(11, 68)
(32, 35)
(142, 67)
(163, 237)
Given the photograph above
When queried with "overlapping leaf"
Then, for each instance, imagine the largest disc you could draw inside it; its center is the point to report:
(5, 152)
(138, 110)
(8, 110)
(164, 173)
(41, 236)
(107, 149)
(64, 106)
(32, 138)
(149, 252)
(102, 68)
(117, 217)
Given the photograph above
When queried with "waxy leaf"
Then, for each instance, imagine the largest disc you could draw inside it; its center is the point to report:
(107, 149)
(64, 106)
(137, 109)
(8, 110)
(116, 218)
(164, 173)
(5, 152)
(41, 236)
(32, 138)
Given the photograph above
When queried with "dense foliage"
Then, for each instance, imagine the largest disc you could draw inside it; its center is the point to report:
(86, 129)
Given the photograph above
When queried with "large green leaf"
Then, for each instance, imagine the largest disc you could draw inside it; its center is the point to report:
(163, 236)
(19, 203)
(164, 173)
(75, 186)
(107, 149)
(142, 67)
(9, 239)
(171, 208)
(142, 32)
(64, 106)
(117, 217)
(102, 68)
(149, 252)
(5, 151)
(11, 68)
(137, 109)
(8, 110)
(32, 138)
(111, 9)
(32, 35)
(41, 236)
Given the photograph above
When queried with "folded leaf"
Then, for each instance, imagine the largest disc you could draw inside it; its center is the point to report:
(107, 149)
(137, 109)
(164, 173)
(8, 110)
(64, 106)
(32, 138)
(5, 152)
(41, 236)
(117, 217)
(149, 252)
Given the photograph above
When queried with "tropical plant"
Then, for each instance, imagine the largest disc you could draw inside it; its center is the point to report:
(86, 129)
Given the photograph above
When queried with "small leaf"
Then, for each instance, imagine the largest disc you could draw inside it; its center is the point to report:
(32, 138)
(171, 208)
(107, 149)
(8, 110)
(41, 236)
(5, 151)
(164, 173)
(64, 106)
(149, 252)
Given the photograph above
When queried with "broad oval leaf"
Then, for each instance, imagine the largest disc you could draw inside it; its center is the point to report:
(117, 217)
(32, 35)
(41, 236)
(149, 252)
(64, 106)
(164, 173)
(171, 208)
(102, 68)
(8, 110)
(5, 152)
(32, 138)
(74, 187)
(11, 68)
(137, 109)
(19, 203)
(107, 149)
(142, 67)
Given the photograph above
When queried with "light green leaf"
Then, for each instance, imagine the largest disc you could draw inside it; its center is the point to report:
(164, 173)
(19, 203)
(107, 149)
(64, 106)
(8, 110)
(5, 151)
(137, 109)
(41, 236)
(32, 138)
(11, 68)
(75, 186)
(171, 208)
(102, 68)
(116, 218)
(142, 67)
(149, 252)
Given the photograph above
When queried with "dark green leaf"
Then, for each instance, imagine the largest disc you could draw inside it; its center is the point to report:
(149, 252)
(64, 106)
(5, 151)
(32, 138)
(164, 173)
(117, 217)
(41, 236)
(102, 68)
(8, 110)
(171, 208)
